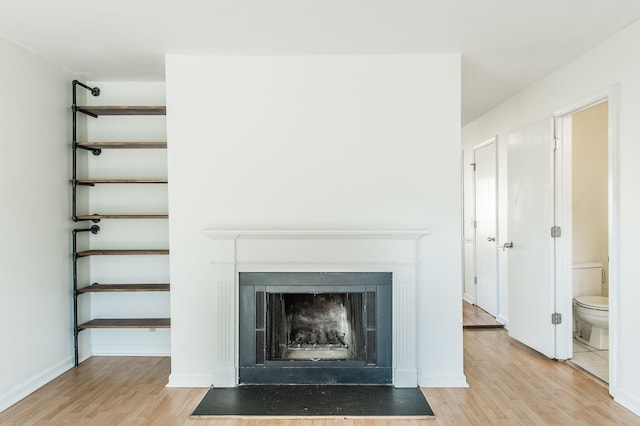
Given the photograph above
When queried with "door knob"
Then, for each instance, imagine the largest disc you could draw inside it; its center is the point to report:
(507, 245)
(491, 239)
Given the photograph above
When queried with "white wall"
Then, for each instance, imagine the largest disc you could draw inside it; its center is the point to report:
(36, 323)
(346, 142)
(126, 234)
(615, 63)
(589, 168)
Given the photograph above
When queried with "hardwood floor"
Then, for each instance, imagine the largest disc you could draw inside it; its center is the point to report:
(475, 317)
(510, 384)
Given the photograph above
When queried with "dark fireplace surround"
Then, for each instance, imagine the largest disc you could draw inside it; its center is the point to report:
(315, 328)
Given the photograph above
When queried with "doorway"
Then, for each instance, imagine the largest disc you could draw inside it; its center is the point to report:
(585, 136)
(540, 226)
(486, 224)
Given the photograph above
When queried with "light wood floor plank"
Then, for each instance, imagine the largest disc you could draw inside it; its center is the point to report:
(510, 384)
(473, 316)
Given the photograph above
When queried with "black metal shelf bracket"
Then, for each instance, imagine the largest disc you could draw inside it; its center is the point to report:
(75, 183)
(94, 151)
(95, 91)
(92, 219)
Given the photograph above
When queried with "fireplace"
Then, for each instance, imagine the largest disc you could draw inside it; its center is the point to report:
(315, 328)
(333, 267)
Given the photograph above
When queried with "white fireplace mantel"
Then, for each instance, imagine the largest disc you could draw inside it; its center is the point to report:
(398, 234)
(271, 250)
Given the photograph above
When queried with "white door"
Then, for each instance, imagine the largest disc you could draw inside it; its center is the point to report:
(530, 159)
(486, 257)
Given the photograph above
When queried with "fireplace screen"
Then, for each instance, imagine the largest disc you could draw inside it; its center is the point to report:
(315, 326)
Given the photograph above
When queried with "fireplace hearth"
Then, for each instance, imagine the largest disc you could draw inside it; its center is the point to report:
(315, 327)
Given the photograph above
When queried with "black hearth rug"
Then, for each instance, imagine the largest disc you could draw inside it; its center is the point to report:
(314, 400)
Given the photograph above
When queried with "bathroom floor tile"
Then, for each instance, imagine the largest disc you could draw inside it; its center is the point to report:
(592, 363)
(603, 354)
(579, 347)
(589, 360)
(593, 360)
(601, 372)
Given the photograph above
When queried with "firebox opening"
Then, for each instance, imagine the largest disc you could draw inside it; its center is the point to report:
(315, 327)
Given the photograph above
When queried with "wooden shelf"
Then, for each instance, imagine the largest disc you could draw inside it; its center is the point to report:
(126, 323)
(121, 216)
(121, 145)
(94, 181)
(87, 253)
(124, 110)
(108, 288)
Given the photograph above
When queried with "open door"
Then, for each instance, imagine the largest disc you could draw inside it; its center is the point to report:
(530, 248)
(486, 257)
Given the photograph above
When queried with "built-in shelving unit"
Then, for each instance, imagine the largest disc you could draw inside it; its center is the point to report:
(96, 148)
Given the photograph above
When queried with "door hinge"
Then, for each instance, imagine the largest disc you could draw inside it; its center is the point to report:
(475, 280)
(555, 144)
(556, 318)
(556, 232)
(474, 166)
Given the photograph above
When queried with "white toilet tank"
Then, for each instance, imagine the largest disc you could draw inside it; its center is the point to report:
(587, 279)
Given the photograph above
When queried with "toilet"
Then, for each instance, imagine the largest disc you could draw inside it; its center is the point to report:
(590, 308)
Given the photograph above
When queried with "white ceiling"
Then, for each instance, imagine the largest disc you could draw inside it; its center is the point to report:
(506, 45)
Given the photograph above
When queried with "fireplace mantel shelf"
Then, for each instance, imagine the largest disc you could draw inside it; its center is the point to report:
(394, 234)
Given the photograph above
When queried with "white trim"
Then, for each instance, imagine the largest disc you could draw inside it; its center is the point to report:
(586, 103)
(316, 266)
(614, 221)
(130, 350)
(630, 402)
(396, 234)
(493, 139)
(442, 381)
(189, 381)
(503, 320)
(405, 377)
(29, 386)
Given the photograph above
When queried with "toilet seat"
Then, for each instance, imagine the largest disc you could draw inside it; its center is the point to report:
(598, 303)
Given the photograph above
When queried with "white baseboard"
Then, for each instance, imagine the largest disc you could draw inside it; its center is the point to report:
(468, 298)
(130, 350)
(405, 377)
(628, 401)
(190, 381)
(503, 320)
(34, 383)
(426, 381)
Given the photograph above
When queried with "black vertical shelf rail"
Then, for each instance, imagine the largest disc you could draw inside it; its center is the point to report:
(94, 230)
(95, 91)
